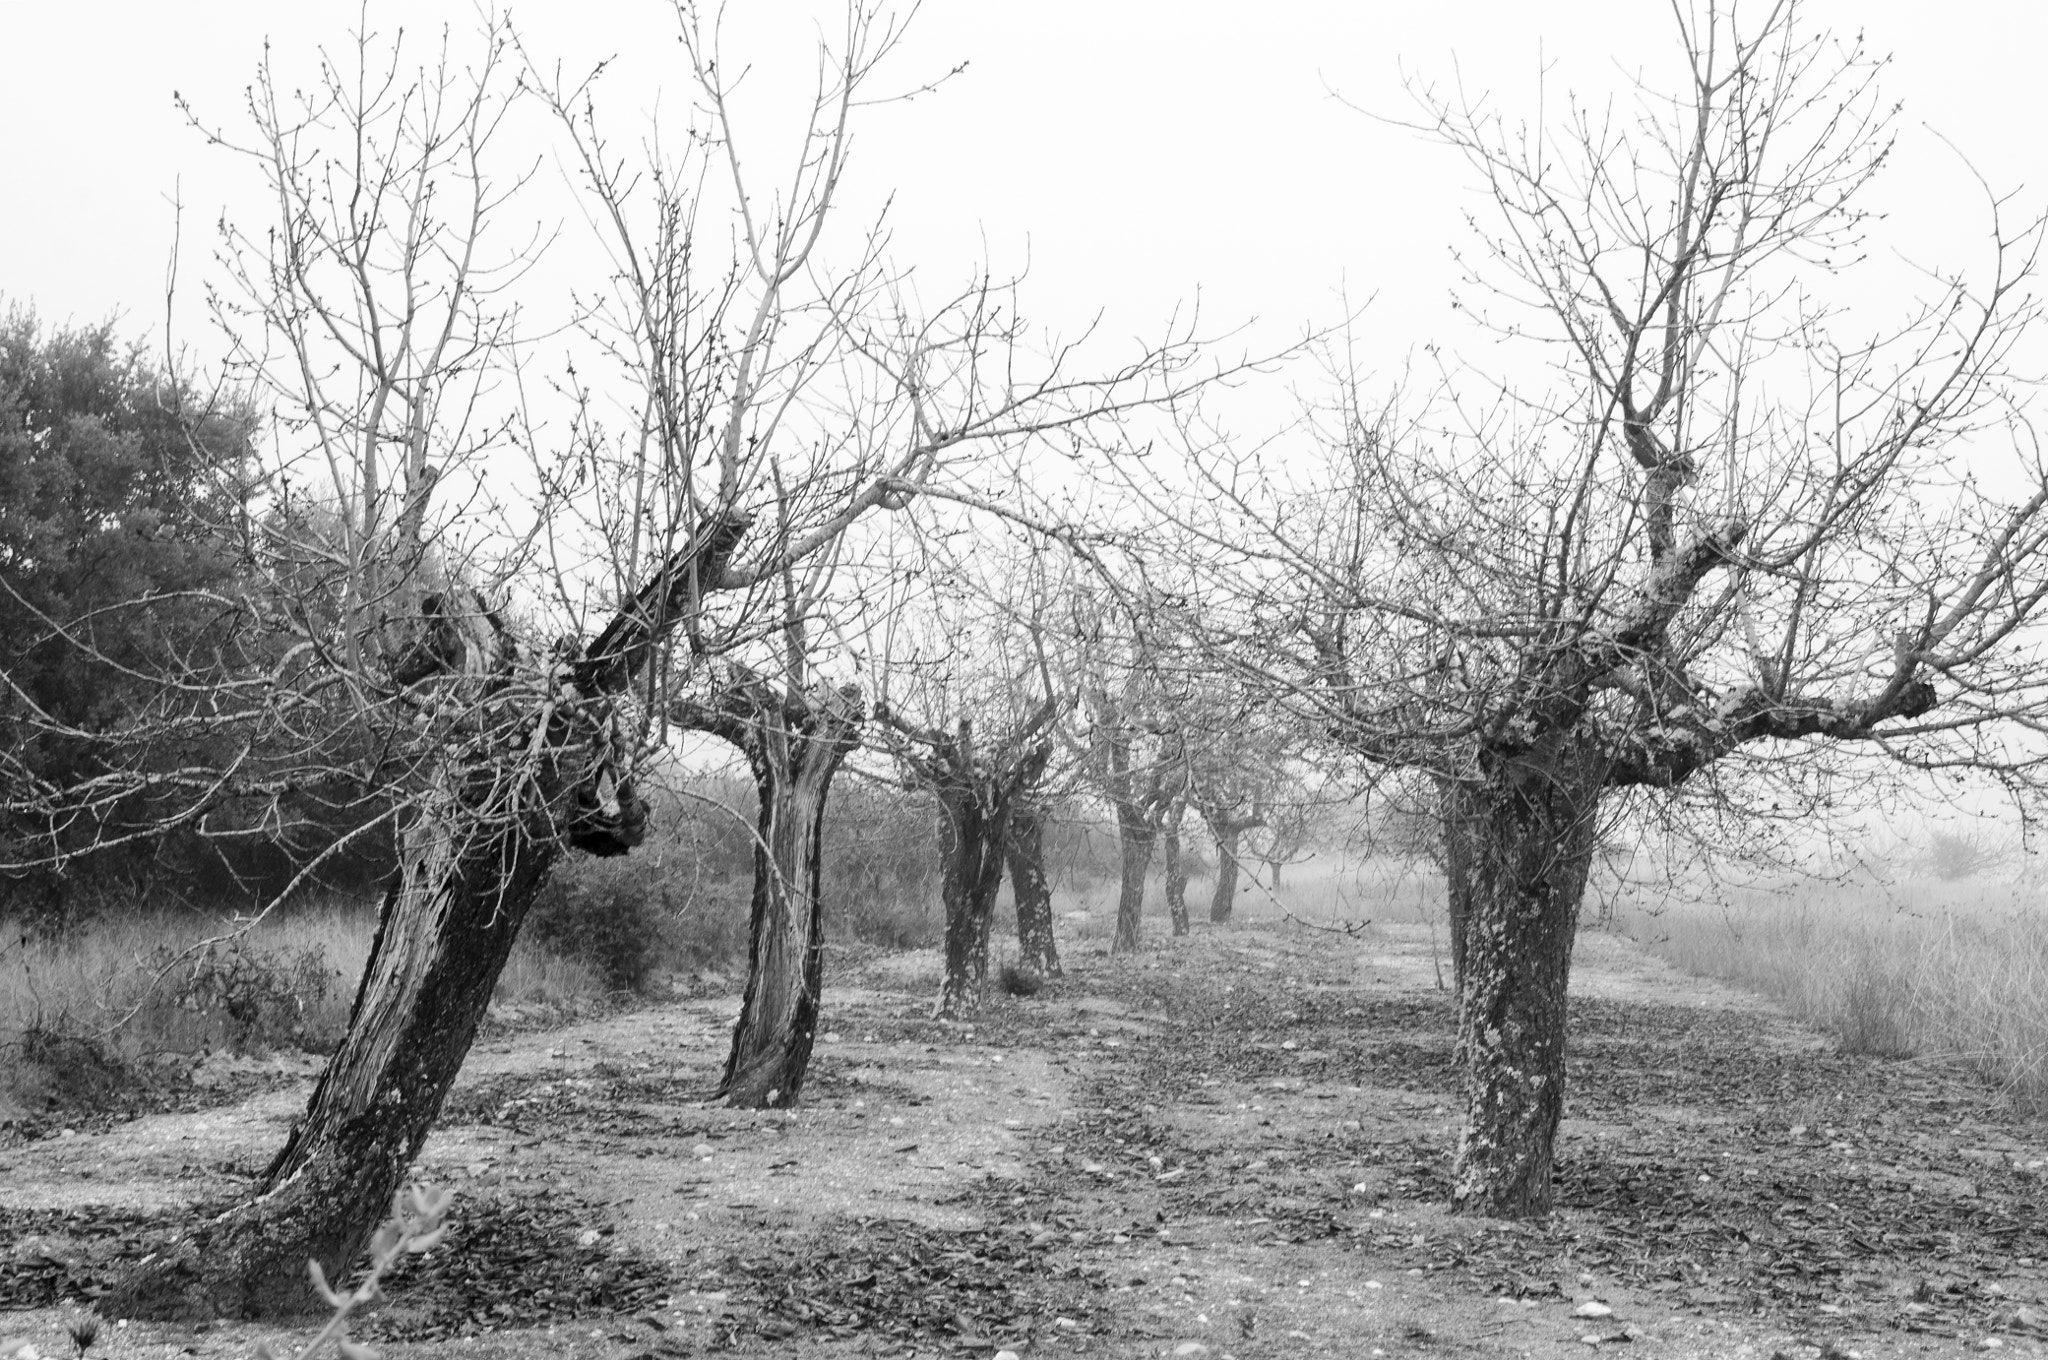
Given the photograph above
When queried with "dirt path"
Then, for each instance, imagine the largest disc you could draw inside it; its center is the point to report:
(1233, 1146)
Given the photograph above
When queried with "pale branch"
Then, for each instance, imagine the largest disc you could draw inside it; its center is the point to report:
(621, 652)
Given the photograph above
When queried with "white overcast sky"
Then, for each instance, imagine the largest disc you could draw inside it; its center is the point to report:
(1134, 155)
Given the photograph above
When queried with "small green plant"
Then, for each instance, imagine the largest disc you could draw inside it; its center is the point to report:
(418, 1222)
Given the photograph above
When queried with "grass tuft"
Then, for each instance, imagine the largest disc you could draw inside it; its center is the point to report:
(1017, 980)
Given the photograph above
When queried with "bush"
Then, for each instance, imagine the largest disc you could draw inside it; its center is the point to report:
(256, 998)
(610, 913)
(66, 1066)
(1953, 856)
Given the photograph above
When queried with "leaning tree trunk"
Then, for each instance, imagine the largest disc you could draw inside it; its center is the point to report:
(795, 746)
(1176, 870)
(1135, 835)
(444, 934)
(1529, 835)
(971, 834)
(535, 773)
(1024, 848)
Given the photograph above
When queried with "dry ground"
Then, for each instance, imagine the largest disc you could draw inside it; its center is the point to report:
(1233, 1146)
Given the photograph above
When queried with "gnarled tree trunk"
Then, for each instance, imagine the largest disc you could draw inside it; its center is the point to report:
(534, 776)
(1024, 850)
(794, 744)
(978, 787)
(972, 830)
(1228, 828)
(1224, 896)
(1140, 798)
(1529, 834)
(446, 929)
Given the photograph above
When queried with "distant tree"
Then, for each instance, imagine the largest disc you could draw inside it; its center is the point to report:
(1953, 856)
(970, 712)
(978, 778)
(1136, 769)
(123, 496)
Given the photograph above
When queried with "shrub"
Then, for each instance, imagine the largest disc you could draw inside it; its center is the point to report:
(257, 998)
(610, 913)
(1872, 1007)
(67, 1066)
(1018, 980)
(1953, 856)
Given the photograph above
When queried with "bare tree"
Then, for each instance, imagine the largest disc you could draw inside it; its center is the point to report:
(1290, 824)
(978, 783)
(1230, 792)
(794, 741)
(1739, 552)
(1174, 856)
(794, 730)
(1136, 770)
(972, 714)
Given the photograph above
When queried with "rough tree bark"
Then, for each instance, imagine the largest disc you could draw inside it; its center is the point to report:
(794, 745)
(1024, 850)
(1529, 832)
(529, 773)
(972, 832)
(1135, 834)
(1176, 868)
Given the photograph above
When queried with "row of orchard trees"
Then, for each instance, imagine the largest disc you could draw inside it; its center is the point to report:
(480, 618)
(1727, 551)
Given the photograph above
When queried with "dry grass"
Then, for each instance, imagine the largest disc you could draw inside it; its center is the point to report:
(1955, 972)
(150, 984)
(83, 1014)
(535, 977)
(1949, 970)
